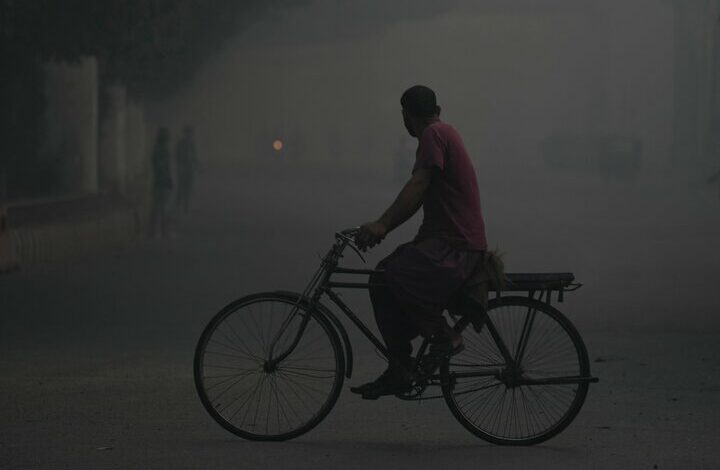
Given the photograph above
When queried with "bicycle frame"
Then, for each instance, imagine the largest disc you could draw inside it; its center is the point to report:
(321, 284)
(520, 342)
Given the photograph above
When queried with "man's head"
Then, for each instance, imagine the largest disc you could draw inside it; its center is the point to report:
(419, 105)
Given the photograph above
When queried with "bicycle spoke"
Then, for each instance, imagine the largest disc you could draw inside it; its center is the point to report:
(234, 376)
(248, 354)
(300, 384)
(297, 395)
(230, 369)
(249, 392)
(305, 374)
(508, 410)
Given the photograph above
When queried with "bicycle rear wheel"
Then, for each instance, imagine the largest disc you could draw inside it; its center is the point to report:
(527, 402)
(253, 398)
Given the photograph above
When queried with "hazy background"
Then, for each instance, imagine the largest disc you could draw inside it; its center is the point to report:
(593, 127)
(508, 75)
(326, 79)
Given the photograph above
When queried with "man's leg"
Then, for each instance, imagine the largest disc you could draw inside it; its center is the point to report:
(395, 324)
(397, 331)
(427, 277)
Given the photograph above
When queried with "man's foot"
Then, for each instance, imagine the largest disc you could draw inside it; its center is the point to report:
(393, 381)
(439, 352)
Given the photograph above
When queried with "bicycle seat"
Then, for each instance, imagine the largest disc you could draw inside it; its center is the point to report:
(538, 281)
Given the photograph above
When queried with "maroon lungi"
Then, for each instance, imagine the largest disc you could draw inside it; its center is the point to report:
(420, 279)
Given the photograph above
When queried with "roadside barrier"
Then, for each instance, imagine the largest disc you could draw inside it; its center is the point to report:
(30, 241)
(58, 242)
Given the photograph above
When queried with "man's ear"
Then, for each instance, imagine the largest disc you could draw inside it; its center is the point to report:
(438, 109)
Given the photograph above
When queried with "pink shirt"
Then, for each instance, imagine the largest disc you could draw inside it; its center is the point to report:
(451, 207)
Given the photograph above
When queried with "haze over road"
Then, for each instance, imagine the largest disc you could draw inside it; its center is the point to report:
(97, 356)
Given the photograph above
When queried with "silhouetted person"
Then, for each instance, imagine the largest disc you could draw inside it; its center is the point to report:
(422, 277)
(186, 167)
(162, 183)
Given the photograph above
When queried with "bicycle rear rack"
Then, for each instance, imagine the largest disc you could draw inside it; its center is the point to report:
(543, 283)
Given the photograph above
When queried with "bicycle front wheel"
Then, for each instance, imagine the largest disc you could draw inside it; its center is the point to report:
(249, 395)
(530, 398)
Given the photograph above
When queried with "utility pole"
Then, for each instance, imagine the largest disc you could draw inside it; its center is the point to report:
(715, 81)
(696, 71)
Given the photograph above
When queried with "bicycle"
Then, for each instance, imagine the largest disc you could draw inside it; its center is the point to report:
(270, 366)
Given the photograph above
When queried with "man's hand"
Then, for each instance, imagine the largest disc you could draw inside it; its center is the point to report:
(370, 234)
(406, 204)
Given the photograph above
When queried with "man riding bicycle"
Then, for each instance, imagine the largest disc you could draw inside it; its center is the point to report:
(421, 278)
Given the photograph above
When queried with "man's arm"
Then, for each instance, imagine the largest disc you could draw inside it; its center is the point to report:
(409, 200)
(405, 205)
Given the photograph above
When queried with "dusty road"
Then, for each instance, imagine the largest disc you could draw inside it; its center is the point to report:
(96, 356)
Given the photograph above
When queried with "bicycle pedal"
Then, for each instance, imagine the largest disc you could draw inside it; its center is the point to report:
(431, 362)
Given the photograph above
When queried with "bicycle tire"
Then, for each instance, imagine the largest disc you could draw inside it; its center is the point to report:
(239, 338)
(543, 419)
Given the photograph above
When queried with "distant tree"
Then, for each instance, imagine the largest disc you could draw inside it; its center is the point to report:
(150, 45)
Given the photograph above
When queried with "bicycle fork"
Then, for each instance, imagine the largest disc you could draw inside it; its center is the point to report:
(272, 362)
(320, 275)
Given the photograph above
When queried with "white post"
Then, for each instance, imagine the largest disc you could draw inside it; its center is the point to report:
(71, 122)
(113, 134)
(137, 161)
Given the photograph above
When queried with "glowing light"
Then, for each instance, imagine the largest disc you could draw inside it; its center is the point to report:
(277, 145)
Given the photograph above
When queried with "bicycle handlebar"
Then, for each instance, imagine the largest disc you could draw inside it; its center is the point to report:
(349, 236)
(348, 232)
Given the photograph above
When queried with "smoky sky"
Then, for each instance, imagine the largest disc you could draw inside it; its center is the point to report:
(507, 74)
(511, 76)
